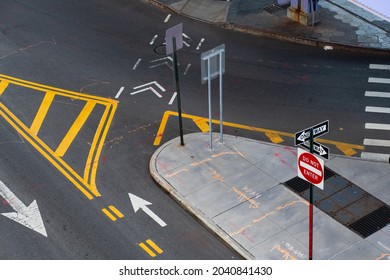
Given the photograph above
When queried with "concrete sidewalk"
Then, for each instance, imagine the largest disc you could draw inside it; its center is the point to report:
(239, 191)
(342, 25)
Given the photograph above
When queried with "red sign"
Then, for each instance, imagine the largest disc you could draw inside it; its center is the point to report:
(311, 168)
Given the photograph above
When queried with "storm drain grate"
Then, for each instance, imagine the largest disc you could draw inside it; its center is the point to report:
(372, 222)
(345, 202)
(275, 8)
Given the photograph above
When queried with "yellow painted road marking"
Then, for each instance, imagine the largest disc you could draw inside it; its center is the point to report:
(108, 214)
(157, 249)
(273, 135)
(87, 183)
(3, 86)
(74, 130)
(42, 148)
(42, 111)
(116, 211)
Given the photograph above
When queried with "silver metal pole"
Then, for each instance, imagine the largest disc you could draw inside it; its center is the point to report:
(210, 117)
(220, 99)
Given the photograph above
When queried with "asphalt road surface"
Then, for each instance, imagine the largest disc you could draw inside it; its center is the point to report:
(84, 87)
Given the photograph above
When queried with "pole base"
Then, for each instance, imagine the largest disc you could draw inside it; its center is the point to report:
(303, 18)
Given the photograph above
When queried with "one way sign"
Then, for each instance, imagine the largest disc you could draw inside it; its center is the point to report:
(318, 130)
(302, 138)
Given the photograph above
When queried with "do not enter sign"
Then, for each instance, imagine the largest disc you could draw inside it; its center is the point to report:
(310, 168)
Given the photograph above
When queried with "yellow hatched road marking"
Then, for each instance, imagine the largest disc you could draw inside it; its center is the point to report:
(3, 86)
(42, 148)
(42, 111)
(87, 183)
(74, 130)
(273, 135)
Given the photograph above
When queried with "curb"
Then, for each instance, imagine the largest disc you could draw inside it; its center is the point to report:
(209, 224)
(279, 36)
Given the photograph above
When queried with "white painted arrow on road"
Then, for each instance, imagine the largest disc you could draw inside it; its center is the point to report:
(146, 88)
(139, 203)
(29, 216)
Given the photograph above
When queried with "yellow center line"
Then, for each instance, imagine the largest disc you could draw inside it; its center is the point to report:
(74, 130)
(108, 214)
(116, 211)
(42, 111)
(147, 250)
(154, 246)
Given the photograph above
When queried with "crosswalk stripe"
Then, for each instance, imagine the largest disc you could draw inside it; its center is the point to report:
(375, 156)
(377, 142)
(380, 66)
(377, 94)
(372, 109)
(379, 80)
(380, 126)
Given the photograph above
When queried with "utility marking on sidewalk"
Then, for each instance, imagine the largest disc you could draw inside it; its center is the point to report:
(86, 183)
(273, 135)
(153, 246)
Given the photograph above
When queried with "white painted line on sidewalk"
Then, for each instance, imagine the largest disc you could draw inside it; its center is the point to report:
(137, 63)
(154, 39)
(379, 80)
(377, 94)
(377, 142)
(172, 98)
(167, 18)
(380, 66)
(372, 109)
(379, 126)
(375, 156)
(119, 92)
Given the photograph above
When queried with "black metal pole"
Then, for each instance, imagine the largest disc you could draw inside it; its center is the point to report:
(311, 204)
(176, 79)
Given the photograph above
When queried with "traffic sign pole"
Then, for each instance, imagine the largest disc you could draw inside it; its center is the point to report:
(176, 79)
(311, 204)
